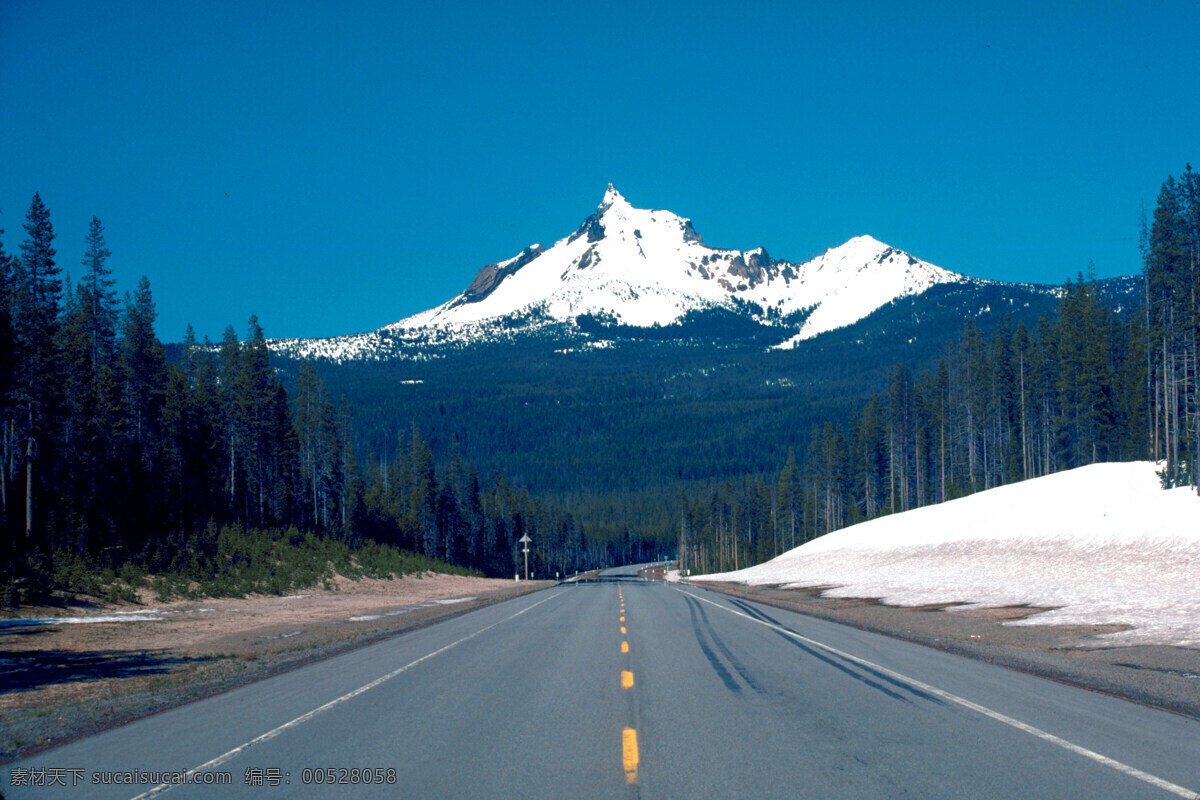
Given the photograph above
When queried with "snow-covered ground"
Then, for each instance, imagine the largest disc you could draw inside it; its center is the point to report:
(1102, 544)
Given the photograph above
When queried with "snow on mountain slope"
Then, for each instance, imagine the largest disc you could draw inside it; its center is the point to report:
(645, 267)
(1102, 544)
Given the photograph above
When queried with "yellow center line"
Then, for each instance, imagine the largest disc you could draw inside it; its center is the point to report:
(629, 754)
(626, 679)
(622, 618)
(624, 647)
(622, 630)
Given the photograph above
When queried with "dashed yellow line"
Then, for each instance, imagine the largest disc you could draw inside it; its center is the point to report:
(629, 754)
(629, 747)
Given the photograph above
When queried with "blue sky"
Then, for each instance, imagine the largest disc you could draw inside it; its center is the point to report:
(334, 169)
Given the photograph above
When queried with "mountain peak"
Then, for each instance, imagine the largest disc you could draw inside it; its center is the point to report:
(645, 267)
(865, 241)
(612, 197)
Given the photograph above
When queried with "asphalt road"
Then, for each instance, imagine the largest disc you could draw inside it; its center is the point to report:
(692, 694)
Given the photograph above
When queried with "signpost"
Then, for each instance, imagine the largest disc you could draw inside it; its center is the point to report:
(525, 540)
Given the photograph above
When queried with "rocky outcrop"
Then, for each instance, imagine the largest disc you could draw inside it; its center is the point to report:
(492, 275)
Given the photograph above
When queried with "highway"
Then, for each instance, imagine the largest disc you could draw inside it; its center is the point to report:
(638, 689)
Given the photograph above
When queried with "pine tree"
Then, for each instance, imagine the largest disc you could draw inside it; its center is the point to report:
(267, 440)
(101, 299)
(36, 309)
(8, 363)
(786, 494)
(232, 423)
(307, 411)
(143, 367)
(1166, 274)
(974, 403)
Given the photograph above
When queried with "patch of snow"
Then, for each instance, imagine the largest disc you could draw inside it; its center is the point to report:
(1098, 545)
(284, 635)
(138, 615)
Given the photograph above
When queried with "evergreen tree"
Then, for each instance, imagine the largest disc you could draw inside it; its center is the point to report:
(307, 414)
(37, 303)
(233, 423)
(144, 370)
(1172, 280)
(786, 493)
(100, 306)
(8, 363)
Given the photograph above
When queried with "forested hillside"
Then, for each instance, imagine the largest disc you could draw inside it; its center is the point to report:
(613, 408)
(116, 457)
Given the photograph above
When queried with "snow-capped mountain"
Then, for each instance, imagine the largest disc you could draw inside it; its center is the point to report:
(643, 267)
(640, 267)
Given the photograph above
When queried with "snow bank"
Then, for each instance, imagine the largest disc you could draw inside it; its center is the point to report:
(1102, 544)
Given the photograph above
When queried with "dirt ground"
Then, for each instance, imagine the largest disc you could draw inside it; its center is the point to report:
(62, 680)
(1164, 677)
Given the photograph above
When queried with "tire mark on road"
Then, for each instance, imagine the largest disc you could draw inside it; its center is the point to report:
(733, 660)
(717, 666)
(845, 666)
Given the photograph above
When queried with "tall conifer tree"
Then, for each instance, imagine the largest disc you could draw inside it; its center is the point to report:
(38, 298)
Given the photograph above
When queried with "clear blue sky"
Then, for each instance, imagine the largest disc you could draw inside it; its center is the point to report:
(334, 167)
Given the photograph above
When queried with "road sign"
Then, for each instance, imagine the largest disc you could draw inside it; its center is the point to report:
(525, 540)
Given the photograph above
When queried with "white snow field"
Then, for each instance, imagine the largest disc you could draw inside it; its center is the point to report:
(1102, 544)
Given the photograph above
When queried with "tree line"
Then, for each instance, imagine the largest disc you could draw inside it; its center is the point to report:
(1085, 385)
(112, 454)
(1171, 253)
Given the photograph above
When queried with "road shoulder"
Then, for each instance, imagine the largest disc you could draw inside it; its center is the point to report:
(1161, 677)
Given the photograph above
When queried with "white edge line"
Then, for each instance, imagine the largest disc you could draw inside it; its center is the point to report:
(271, 734)
(965, 703)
